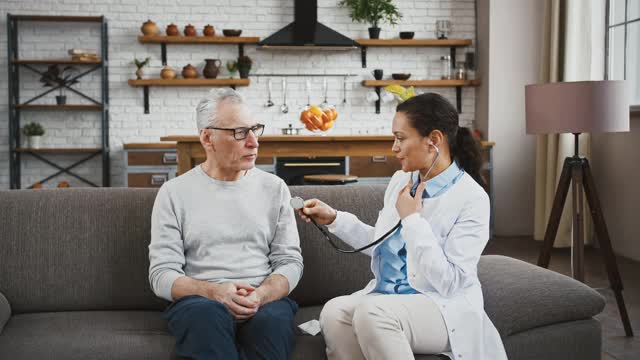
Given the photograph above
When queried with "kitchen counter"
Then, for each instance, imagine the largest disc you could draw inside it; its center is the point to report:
(189, 148)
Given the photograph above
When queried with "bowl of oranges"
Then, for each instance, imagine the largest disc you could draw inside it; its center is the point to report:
(318, 118)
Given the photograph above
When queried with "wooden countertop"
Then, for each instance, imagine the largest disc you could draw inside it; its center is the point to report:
(137, 146)
(307, 138)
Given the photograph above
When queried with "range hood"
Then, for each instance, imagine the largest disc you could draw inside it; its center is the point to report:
(306, 33)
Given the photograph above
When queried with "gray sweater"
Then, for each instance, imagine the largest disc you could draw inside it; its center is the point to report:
(223, 231)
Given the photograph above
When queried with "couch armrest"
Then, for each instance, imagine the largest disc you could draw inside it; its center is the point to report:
(5, 311)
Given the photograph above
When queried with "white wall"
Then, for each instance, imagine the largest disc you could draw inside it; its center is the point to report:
(616, 172)
(172, 108)
(514, 31)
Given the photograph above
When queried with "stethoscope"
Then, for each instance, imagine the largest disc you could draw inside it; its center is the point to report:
(297, 203)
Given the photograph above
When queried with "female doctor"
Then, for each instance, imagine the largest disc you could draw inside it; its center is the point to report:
(425, 297)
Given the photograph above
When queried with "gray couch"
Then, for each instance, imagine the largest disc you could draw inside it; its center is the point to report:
(73, 272)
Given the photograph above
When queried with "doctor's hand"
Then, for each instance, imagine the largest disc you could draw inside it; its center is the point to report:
(322, 213)
(406, 204)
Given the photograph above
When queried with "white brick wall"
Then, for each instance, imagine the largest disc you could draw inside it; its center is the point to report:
(172, 108)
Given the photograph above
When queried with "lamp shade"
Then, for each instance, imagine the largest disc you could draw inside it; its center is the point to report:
(577, 107)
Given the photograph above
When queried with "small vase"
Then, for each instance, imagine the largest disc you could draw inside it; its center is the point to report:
(61, 99)
(189, 30)
(33, 142)
(189, 72)
(149, 28)
(172, 30)
(211, 68)
(374, 33)
(139, 74)
(209, 31)
(168, 73)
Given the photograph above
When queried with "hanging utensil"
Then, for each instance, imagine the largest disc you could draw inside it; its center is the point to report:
(324, 90)
(269, 103)
(344, 90)
(284, 108)
(307, 87)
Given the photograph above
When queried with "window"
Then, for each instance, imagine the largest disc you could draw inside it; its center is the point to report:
(623, 45)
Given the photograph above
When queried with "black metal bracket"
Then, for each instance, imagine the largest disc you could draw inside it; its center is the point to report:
(240, 50)
(163, 53)
(378, 101)
(145, 90)
(65, 169)
(363, 56)
(459, 99)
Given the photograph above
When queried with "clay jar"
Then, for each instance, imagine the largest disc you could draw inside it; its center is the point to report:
(172, 30)
(189, 72)
(149, 28)
(209, 30)
(211, 68)
(168, 73)
(189, 30)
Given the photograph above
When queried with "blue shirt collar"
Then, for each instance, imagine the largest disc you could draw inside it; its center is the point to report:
(439, 182)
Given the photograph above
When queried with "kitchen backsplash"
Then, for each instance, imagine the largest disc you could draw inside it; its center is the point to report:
(172, 109)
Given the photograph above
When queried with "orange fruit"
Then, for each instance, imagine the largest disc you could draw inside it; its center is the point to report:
(315, 110)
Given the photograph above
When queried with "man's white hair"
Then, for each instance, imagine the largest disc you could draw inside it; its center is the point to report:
(207, 109)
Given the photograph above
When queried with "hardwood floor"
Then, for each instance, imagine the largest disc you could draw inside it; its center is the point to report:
(615, 344)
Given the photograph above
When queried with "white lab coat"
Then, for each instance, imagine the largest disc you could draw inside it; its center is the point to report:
(444, 243)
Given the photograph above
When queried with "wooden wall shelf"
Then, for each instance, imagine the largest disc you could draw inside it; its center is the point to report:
(452, 44)
(158, 39)
(421, 83)
(190, 82)
(146, 83)
(458, 84)
(219, 40)
(56, 62)
(414, 42)
(60, 107)
(59, 150)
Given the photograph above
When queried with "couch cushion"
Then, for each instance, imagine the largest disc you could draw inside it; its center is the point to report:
(328, 273)
(88, 335)
(520, 296)
(76, 249)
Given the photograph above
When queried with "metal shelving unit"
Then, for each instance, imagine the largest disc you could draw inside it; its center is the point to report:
(16, 107)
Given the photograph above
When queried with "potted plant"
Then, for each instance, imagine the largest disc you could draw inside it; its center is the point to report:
(244, 66)
(232, 67)
(140, 64)
(33, 131)
(56, 77)
(373, 12)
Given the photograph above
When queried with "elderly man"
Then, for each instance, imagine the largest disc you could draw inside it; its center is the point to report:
(224, 244)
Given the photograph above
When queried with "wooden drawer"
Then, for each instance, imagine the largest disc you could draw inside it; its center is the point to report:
(151, 158)
(373, 166)
(147, 180)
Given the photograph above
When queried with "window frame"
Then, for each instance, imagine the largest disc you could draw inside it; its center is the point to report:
(635, 108)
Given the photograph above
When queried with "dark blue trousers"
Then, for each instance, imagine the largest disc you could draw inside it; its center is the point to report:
(205, 329)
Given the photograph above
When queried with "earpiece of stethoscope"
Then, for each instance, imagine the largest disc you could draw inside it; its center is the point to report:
(297, 203)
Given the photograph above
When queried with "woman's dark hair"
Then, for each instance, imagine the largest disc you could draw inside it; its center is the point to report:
(428, 112)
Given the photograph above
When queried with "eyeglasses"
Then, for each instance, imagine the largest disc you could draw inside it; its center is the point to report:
(240, 133)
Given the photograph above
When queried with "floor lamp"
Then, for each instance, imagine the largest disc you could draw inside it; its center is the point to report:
(580, 107)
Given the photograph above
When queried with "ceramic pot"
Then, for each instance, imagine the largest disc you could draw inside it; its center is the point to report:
(167, 73)
(33, 142)
(189, 72)
(189, 30)
(211, 68)
(149, 28)
(139, 74)
(209, 30)
(172, 30)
